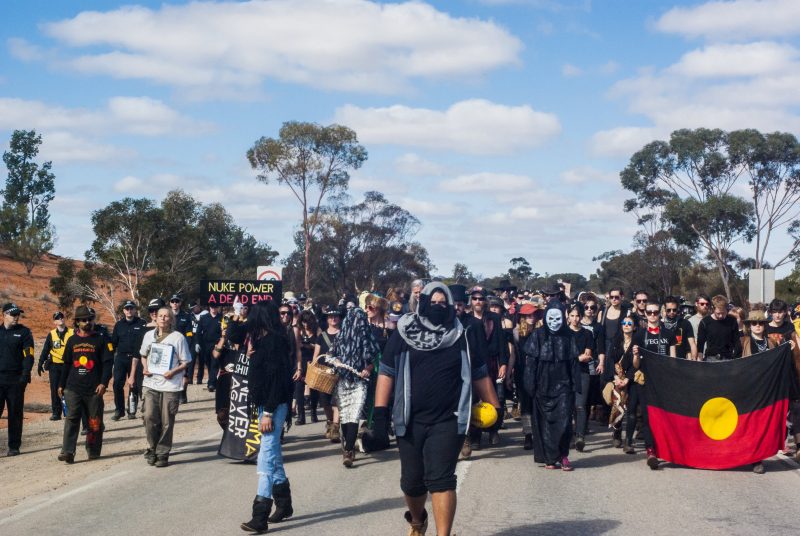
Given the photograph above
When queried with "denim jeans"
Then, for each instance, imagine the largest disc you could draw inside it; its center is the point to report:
(270, 458)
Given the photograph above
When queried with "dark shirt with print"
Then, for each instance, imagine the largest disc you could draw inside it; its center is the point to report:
(87, 363)
(656, 340)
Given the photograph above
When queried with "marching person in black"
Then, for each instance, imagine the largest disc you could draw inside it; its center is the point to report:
(209, 330)
(52, 360)
(16, 363)
(126, 339)
(183, 324)
(685, 341)
(88, 367)
(196, 312)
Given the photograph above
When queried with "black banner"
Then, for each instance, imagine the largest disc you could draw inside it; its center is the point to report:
(225, 292)
(242, 438)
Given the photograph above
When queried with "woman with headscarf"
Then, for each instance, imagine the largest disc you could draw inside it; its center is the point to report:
(552, 378)
(432, 371)
(353, 353)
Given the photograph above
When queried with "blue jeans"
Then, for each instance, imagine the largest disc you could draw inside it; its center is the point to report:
(270, 458)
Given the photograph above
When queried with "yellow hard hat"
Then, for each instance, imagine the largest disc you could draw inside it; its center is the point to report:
(483, 415)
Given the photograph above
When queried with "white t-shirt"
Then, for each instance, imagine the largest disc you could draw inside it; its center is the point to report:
(182, 353)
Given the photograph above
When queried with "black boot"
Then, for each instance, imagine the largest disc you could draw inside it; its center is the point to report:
(259, 523)
(282, 494)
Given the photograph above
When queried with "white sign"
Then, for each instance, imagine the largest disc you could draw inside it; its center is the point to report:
(762, 286)
(269, 273)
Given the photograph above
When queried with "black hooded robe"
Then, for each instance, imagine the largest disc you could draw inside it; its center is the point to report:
(552, 377)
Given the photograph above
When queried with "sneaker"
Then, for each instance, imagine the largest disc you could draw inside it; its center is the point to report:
(13, 452)
(628, 449)
(565, 465)
(117, 416)
(150, 457)
(162, 461)
(131, 416)
(758, 468)
(579, 443)
(348, 458)
(652, 459)
(66, 457)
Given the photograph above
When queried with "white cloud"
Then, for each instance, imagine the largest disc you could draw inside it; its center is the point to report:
(727, 86)
(413, 164)
(473, 126)
(429, 209)
(353, 45)
(571, 71)
(609, 67)
(588, 174)
(63, 147)
(487, 182)
(737, 20)
(23, 50)
(130, 115)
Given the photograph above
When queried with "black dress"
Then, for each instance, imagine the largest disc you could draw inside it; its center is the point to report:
(552, 377)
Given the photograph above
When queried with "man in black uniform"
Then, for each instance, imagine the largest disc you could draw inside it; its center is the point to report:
(16, 362)
(183, 324)
(126, 339)
(88, 366)
(195, 312)
(52, 360)
(208, 332)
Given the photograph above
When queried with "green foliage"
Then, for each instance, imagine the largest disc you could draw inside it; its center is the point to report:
(25, 229)
(71, 285)
(313, 162)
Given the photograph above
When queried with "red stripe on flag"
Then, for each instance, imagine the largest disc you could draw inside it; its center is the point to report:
(679, 439)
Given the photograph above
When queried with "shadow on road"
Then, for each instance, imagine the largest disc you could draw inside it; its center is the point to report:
(350, 511)
(585, 527)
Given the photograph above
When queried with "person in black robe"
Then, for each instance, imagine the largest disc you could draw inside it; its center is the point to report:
(552, 377)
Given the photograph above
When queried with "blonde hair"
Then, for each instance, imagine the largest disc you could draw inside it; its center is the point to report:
(171, 326)
(719, 302)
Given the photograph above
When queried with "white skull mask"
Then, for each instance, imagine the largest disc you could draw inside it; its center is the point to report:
(554, 319)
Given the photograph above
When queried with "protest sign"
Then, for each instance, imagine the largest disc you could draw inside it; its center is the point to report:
(225, 292)
(242, 437)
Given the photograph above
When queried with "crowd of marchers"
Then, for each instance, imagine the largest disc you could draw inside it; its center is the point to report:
(409, 363)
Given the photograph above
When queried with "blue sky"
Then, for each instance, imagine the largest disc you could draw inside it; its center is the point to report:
(501, 124)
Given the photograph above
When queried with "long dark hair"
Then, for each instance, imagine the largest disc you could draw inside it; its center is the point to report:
(308, 317)
(263, 317)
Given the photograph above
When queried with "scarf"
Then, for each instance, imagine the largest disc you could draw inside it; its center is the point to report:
(417, 330)
(355, 345)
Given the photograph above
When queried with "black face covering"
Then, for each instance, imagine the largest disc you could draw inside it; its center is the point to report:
(437, 313)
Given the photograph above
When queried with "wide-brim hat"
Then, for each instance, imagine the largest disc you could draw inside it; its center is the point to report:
(755, 316)
(82, 313)
(527, 309)
(552, 290)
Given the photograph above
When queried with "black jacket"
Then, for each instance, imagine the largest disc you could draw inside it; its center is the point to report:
(16, 353)
(127, 336)
(209, 330)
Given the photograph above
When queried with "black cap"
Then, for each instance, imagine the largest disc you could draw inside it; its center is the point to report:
(155, 303)
(477, 290)
(12, 309)
(129, 304)
(175, 297)
(332, 311)
(58, 315)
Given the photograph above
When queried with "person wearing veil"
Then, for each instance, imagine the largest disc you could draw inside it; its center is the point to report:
(552, 378)
(432, 370)
(354, 347)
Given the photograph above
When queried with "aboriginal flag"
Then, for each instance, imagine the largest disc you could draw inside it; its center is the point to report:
(718, 415)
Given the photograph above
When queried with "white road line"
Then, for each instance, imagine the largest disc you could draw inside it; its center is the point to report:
(48, 501)
(461, 473)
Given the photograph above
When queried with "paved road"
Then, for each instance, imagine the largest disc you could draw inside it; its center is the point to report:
(501, 492)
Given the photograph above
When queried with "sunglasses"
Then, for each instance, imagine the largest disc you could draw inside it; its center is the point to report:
(614, 297)
(650, 313)
(758, 323)
(641, 301)
(478, 299)
(671, 310)
(284, 313)
(591, 308)
(627, 323)
(174, 301)
(702, 304)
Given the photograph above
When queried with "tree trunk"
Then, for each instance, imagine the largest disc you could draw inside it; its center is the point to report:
(723, 274)
(306, 267)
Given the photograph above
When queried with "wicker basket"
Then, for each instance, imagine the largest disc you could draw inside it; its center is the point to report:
(321, 378)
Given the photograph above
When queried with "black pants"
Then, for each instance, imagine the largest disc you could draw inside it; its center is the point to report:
(428, 457)
(582, 406)
(122, 368)
(90, 405)
(636, 399)
(55, 371)
(12, 396)
(475, 432)
(213, 366)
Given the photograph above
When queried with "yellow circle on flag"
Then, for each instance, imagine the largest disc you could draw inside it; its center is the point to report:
(718, 418)
(82, 360)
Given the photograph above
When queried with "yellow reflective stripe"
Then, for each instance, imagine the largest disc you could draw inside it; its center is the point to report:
(29, 351)
(110, 347)
(188, 333)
